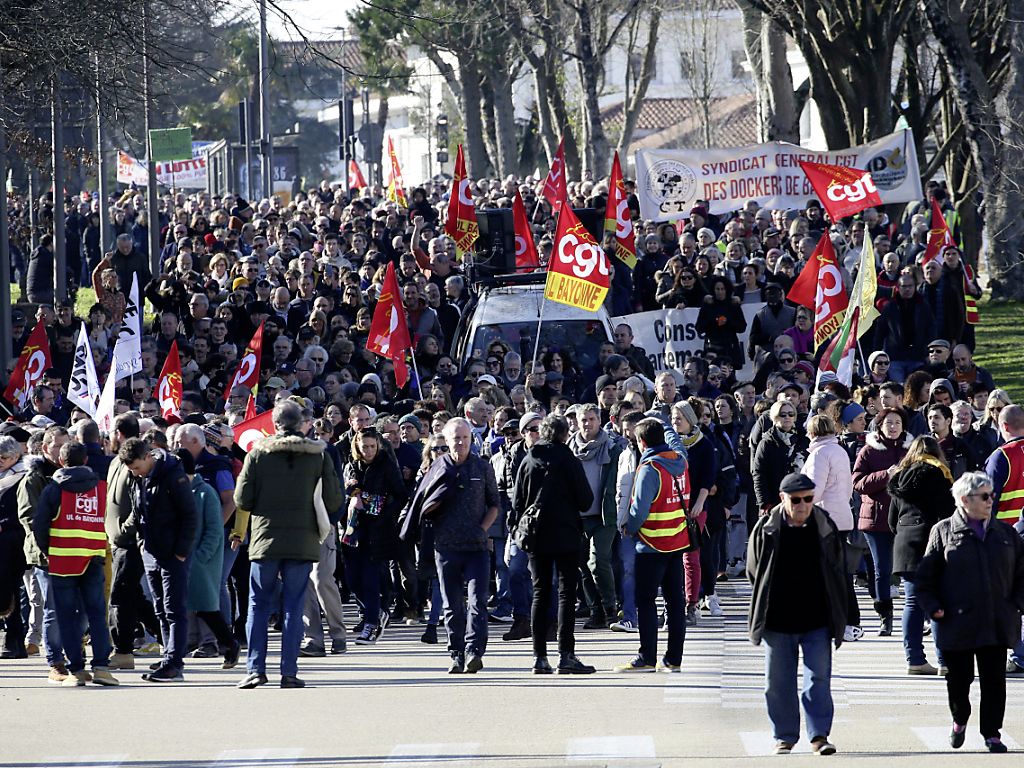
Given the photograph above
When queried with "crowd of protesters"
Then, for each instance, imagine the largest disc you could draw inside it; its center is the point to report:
(495, 490)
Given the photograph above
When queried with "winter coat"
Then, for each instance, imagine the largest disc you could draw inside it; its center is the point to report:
(208, 555)
(39, 281)
(828, 465)
(166, 519)
(625, 475)
(904, 329)
(127, 266)
(122, 496)
(871, 479)
(977, 583)
(773, 460)
(276, 487)
(920, 498)
(40, 470)
(762, 553)
(383, 491)
(552, 477)
(12, 550)
(720, 322)
(605, 490)
(71, 479)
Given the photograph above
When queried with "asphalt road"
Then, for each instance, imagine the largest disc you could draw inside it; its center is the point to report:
(394, 705)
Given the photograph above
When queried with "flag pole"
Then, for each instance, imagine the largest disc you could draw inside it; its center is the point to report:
(416, 370)
(540, 322)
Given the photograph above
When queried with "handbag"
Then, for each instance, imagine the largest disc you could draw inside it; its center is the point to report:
(697, 535)
(525, 534)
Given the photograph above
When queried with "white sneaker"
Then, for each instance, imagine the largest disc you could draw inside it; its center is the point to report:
(852, 634)
(624, 625)
(714, 607)
(737, 569)
(894, 591)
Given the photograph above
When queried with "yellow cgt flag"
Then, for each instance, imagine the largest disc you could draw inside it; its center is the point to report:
(864, 288)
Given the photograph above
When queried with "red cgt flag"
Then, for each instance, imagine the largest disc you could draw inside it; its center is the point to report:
(33, 360)
(843, 191)
(389, 334)
(526, 249)
(618, 219)
(555, 189)
(939, 236)
(820, 287)
(251, 431)
(248, 372)
(460, 224)
(578, 273)
(355, 176)
(168, 388)
(396, 186)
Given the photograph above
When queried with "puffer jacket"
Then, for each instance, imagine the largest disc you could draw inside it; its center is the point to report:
(166, 522)
(276, 488)
(977, 583)
(871, 479)
(828, 465)
(921, 496)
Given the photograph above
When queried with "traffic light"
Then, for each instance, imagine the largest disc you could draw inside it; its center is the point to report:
(442, 131)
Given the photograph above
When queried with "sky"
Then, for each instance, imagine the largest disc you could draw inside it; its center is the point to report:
(317, 18)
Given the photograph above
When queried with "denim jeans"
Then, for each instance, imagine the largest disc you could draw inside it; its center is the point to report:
(627, 556)
(913, 625)
(363, 575)
(502, 587)
(520, 583)
(782, 652)
(455, 569)
(900, 369)
(168, 581)
(880, 545)
(665, 570)
(1017, 652)
(436, 602)
(263, 576)
(230, 555)
(73, 595)
(51, 630)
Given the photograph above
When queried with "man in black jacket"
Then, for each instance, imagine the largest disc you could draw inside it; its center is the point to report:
(903, 330)
(166, 522)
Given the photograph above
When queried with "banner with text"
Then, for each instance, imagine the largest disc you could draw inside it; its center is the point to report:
(670, 338)
(669, 182)
(190, 174)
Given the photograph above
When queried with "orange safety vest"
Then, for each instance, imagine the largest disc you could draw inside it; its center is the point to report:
(665, 527)
(77, 534)
(970, 303)
(1011, 497)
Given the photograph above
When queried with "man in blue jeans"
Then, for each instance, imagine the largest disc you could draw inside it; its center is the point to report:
(796, 566)
(460, 523)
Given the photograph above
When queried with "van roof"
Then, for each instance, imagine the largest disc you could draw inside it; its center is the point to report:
(520, 302)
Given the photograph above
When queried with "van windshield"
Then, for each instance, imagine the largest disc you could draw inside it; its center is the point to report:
(581, 339)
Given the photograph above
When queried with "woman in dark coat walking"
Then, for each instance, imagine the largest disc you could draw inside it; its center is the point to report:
(971, 582)
(376, 495)
(875, 464)
(552, 485)
(720, 320)
(920, 493)
(781, 450)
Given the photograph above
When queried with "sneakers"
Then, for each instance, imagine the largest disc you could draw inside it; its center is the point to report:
(165, 674)
(231, 655)
(714, 606)
(637, 664)
(571, 665)
(499, 618)
(149, 649)
(852, 634)
(692, 615)
(58, 674)
(252, 680)
(957, 734)
(206, 652)
(666, 667)
(782, 748)
(624, 625)
(338, 647)
(368, 636)
(520, 630)
(541, 666)
(429, 635)
(32, 649)
(458, 665)
(1013, 668)
(121, 661)
(76, 679)
(822, 746)
(894, 591)
(737, 569)
(474, 663)
(922, 669)
(995, 746)
(102, 676)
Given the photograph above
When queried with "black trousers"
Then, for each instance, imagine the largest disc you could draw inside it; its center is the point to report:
(128, 603)
(542, 570)
(664, 570)
(991, 675)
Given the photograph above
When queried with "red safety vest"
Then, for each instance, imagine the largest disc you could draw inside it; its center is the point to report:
(78, 534)
(1011, 497)
(665, 527)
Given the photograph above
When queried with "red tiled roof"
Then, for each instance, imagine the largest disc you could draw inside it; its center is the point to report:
(674, 123)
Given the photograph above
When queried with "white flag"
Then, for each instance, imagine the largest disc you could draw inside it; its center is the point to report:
(84, 389)
(105, 409)
(128, 347)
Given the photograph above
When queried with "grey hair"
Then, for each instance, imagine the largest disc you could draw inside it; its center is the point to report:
(9, 447)
(452, 424)
(193, 432)
(124, 236)
(287, 416)
(967, 484)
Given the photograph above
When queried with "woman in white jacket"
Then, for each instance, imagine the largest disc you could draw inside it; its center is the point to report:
(828, 465)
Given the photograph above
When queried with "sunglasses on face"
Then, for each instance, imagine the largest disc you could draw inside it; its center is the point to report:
(439, 449)
(533, 429)
(802, 499)
(788, 415)
(985, 496)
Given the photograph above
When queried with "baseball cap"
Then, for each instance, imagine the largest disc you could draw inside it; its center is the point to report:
(939, 343)
(794, 482)
(487, 379)
(275, 382)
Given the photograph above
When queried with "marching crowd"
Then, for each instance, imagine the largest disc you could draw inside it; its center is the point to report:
(498, 491)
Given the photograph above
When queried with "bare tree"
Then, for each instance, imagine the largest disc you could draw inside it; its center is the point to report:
(700, 59)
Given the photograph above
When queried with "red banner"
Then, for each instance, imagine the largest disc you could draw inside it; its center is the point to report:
(389, 334)
(169, 385)
(618, 219)
(578, 273)
(939, 236)
(248, 372)
(555, 189)
(460, 224)
(33, 360)
(820, 287)
(396, 187)
(251, 431)
(843, 191)
(526, 249)
(355, 176)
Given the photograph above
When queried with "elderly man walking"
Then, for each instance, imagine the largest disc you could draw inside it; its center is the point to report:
(276, 488)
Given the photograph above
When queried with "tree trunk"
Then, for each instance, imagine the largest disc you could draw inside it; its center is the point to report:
(783, 116)
(487, 118)
(504, 123)
(597, 153)
(476, 150)
(631, 109)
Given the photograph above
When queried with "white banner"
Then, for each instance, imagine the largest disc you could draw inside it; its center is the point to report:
(670, 338)
(188, 173)
(84, 389)
(127, 358)
(669, 182)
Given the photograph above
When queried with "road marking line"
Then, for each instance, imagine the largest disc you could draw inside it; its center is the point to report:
(610, 748)
(104, 760)
(433, 752)
(281, 757)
